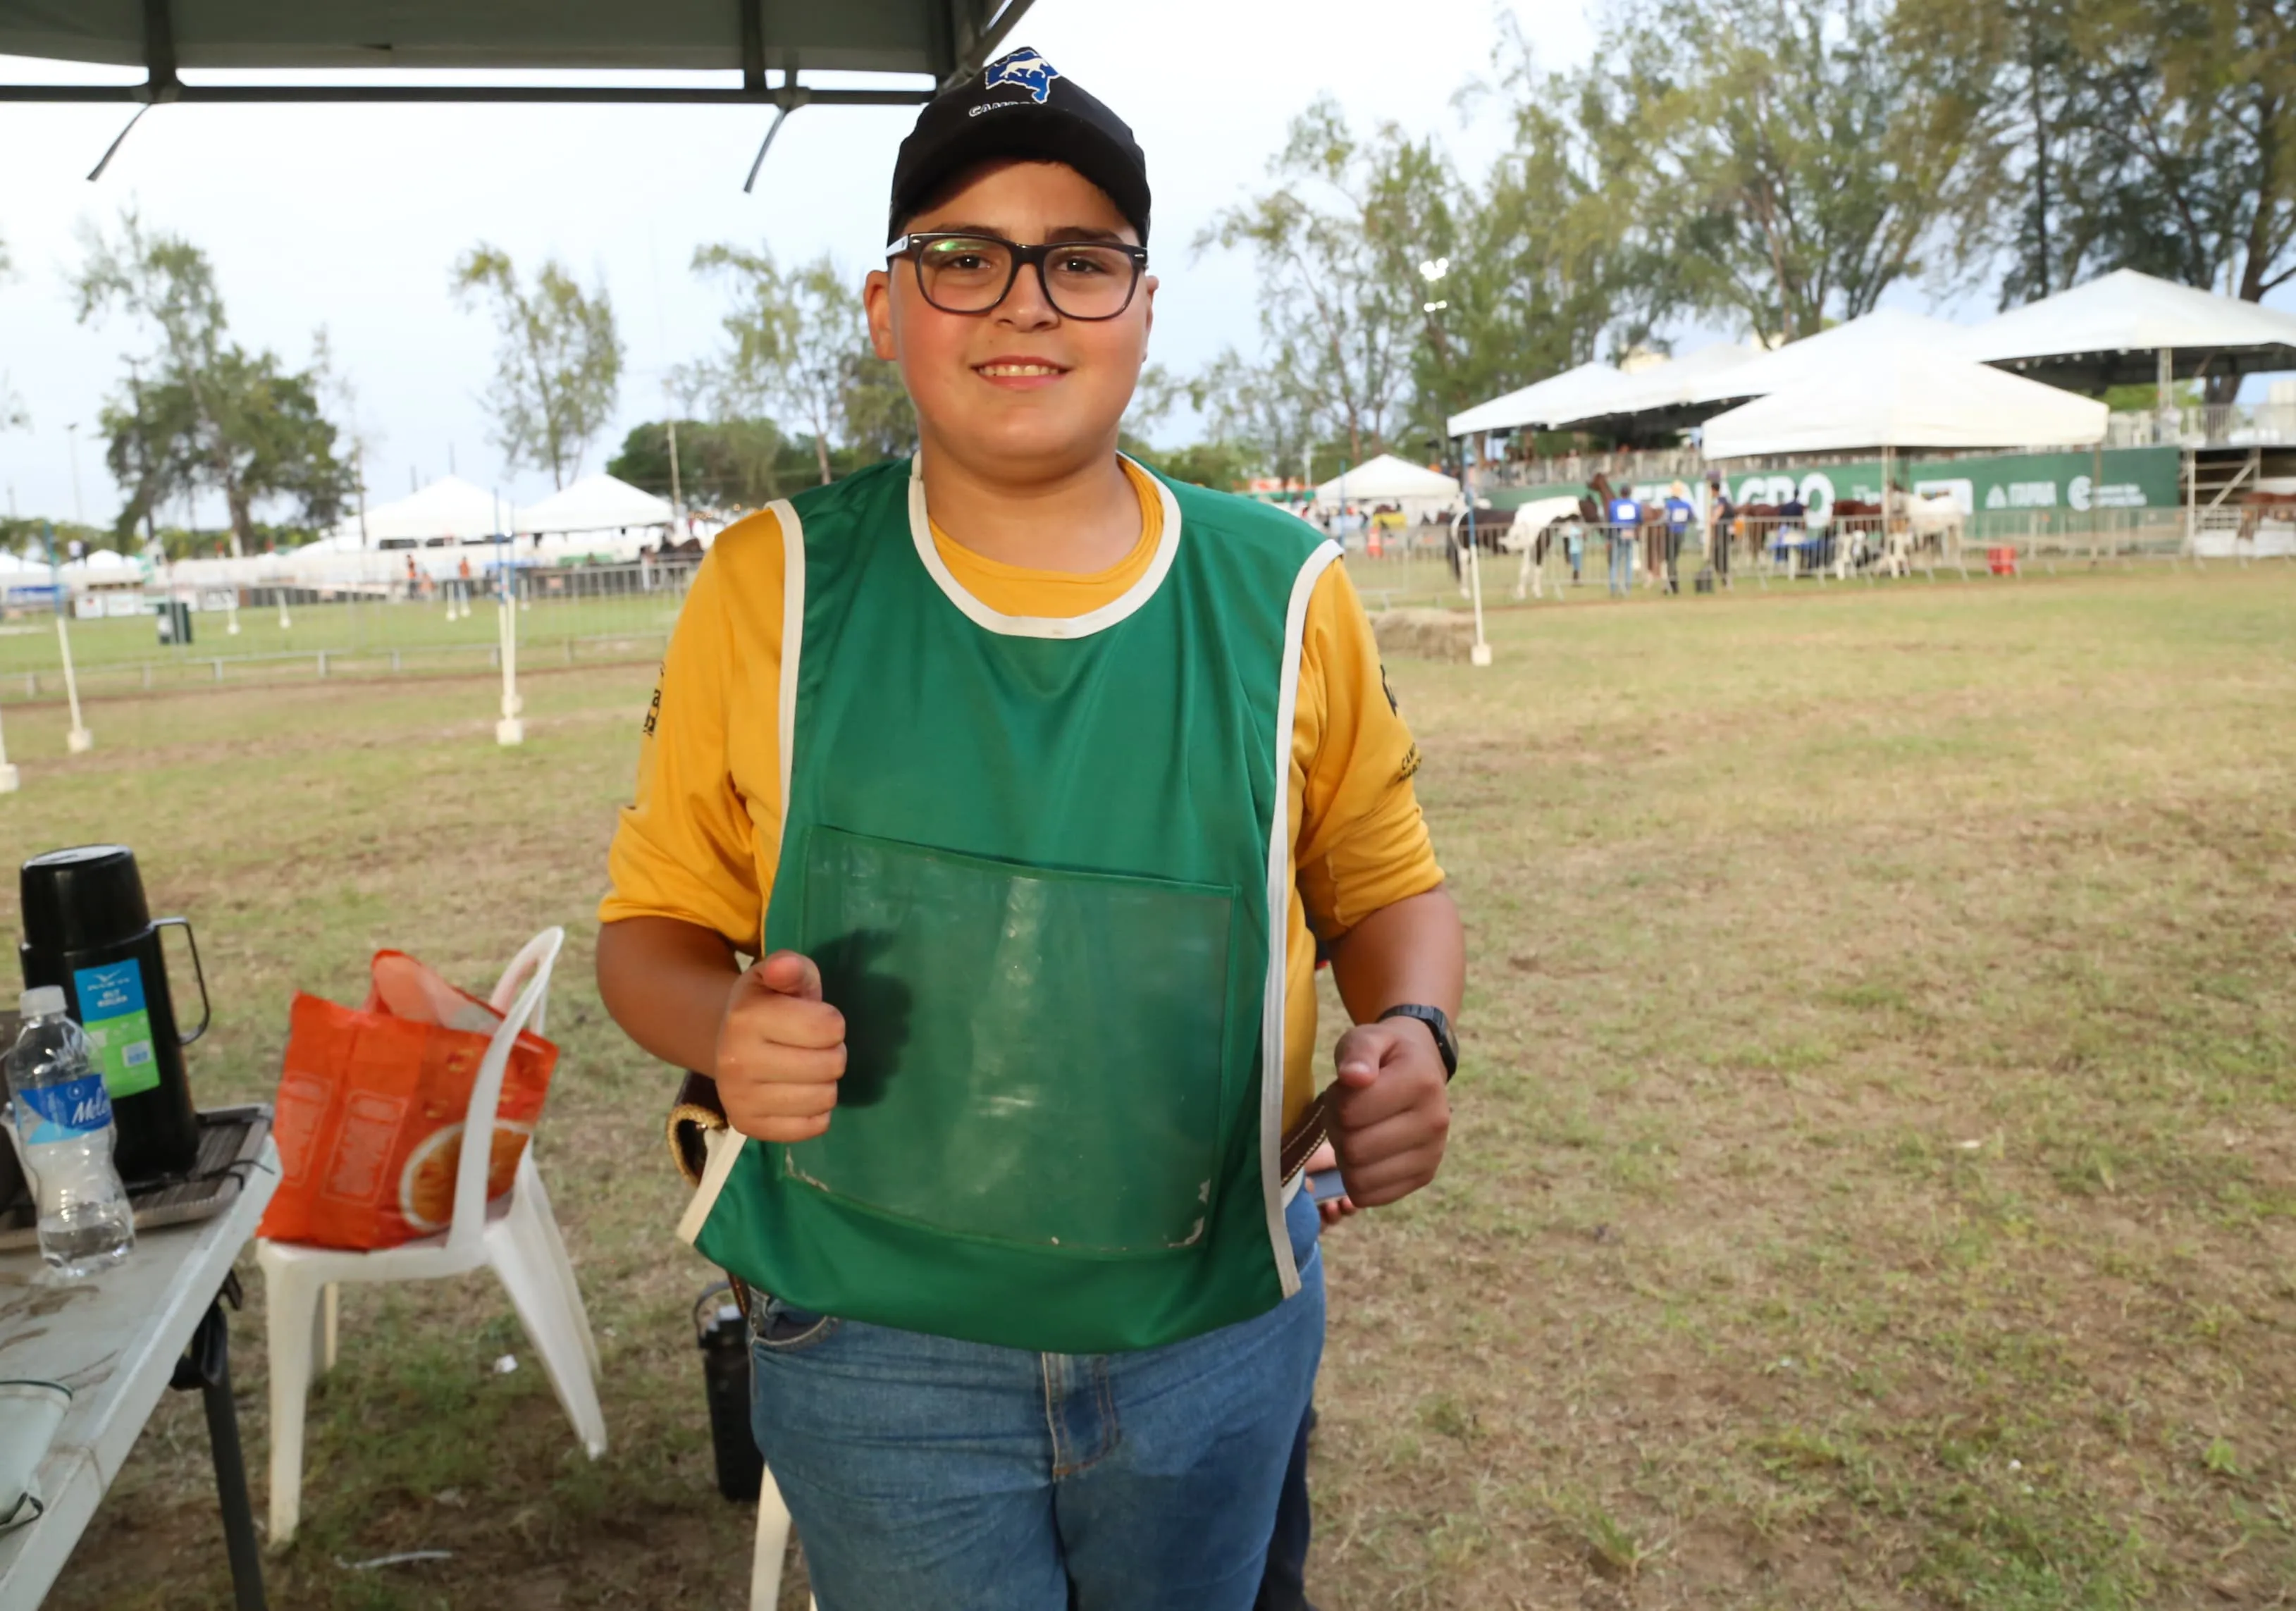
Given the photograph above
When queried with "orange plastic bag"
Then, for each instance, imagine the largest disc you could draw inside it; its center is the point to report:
(371, 1106)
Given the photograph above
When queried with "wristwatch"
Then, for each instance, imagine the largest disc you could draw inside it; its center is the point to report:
(1439, 1024)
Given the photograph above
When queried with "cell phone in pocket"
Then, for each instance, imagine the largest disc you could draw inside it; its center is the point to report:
(1325, 1184)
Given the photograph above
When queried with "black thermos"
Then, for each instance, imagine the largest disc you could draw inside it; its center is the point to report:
(87, 929)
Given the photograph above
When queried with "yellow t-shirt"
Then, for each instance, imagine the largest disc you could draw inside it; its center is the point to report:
(702, 838)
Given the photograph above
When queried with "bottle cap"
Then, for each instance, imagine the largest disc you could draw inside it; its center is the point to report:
(42, 1001)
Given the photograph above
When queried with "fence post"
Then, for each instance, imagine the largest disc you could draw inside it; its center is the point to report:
(323, 663)
(218, 668)
(394, 660)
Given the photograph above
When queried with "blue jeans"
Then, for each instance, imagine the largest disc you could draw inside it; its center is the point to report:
(926, 1472)
(1623, 553)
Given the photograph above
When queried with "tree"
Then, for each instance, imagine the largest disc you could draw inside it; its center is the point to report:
(213, 417)
(1796, 174)
(741, 462)
(2160, 134)
(1550, 268)
(559, 364)
(801, 343)
(1337, 241)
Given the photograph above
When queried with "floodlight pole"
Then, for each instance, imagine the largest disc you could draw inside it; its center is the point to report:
(78, 741)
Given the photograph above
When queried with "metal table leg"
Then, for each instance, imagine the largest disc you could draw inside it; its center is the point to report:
(206, 1365)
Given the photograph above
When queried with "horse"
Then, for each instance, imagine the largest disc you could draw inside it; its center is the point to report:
(2257, 507)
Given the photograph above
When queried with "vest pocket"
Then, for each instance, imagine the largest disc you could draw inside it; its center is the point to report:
(1034, 1057)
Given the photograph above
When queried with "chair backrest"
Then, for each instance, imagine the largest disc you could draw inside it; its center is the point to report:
(521, 996)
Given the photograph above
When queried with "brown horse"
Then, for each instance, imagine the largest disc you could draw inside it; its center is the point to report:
(2257, 507)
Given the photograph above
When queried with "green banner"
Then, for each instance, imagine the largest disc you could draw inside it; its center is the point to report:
(1818, 490)
(2134, 478)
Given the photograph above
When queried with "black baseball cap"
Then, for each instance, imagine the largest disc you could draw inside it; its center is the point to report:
(1020, 106)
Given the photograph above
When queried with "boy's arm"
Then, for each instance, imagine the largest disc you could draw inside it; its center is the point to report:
(774, 1048)
(1393, 1114)
(1374, 895)
(666, 983)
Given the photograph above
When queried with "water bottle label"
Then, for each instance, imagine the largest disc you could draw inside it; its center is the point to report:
(111, 1011)
(64, 1113)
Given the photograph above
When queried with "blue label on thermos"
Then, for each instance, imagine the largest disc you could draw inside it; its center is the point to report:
(63, 1112)
(118, 1029)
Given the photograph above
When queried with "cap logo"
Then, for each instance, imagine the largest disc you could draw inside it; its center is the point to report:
(1025, 69)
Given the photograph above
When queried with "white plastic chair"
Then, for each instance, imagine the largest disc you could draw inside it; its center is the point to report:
(772, 1543)
(515, 1235)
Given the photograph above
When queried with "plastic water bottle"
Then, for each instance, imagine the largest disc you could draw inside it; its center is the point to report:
(63, 1118)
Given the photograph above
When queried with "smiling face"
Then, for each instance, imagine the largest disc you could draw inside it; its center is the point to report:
(1018, 393)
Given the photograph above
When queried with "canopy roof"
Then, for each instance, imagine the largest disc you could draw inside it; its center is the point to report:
(1578, 393)
(449, 506)
(943, 39)
(1843, 348)
(2110, 331)
(1386, 478)
(1906, 395)
(596, 503)
(1665, 394)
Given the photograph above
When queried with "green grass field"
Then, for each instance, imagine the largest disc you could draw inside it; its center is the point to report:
(1872, 1183)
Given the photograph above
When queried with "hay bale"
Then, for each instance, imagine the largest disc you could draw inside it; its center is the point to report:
(1425, 634)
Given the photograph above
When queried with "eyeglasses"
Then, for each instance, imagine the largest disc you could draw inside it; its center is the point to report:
(968, 273)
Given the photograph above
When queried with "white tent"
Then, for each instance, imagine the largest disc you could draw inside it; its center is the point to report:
(1664, 387)
(2114, 328)
(596, 503)
(449, 508)
(1906, 396)
(1844, 349)
(1579, 393)
(1419, 491)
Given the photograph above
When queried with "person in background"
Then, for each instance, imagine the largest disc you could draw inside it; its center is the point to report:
(1679, 512)
(1626, 513)
(1720, 513)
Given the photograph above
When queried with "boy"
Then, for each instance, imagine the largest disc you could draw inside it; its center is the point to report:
(1025, 774)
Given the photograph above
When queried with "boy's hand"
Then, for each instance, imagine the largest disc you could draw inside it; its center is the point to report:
(781, 1051)
(1392, 1113)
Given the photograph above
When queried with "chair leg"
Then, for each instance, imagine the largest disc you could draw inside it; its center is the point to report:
(290, 1305)
(520, 1257)
(325, 1321)
(560, 1264)
(772, 1546)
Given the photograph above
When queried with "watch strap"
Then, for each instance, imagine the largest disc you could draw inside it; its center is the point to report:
(1439, 1024)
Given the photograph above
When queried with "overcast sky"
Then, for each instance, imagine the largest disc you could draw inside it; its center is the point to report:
(351, 217)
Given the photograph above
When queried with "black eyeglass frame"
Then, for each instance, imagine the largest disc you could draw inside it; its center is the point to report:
(913, 248)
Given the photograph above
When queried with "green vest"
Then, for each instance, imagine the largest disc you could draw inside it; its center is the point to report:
(1042, 865)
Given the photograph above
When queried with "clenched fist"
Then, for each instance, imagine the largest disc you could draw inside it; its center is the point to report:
(781, 1051)
(1393, 1112)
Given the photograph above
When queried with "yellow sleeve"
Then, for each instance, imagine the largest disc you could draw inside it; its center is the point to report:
(688, 846)
(1361, 842)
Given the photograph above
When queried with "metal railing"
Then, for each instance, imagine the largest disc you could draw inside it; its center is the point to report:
(1578, 559)
(296, 630)
(2271, 425)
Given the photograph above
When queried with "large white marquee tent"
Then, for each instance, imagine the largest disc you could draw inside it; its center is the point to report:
(1575, 394)
(597, 503)
(2117, 328)
(1902, 397)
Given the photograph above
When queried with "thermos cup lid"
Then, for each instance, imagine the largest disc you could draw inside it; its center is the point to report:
(75, 899)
